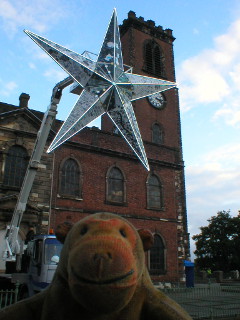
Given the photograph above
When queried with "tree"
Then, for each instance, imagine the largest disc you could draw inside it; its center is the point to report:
(217, 246)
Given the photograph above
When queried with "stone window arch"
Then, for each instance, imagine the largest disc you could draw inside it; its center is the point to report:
(154, 61)
(154, 192)
(70, 178)
(157, 256)
(157, 133)
(15, 166)
(115, 186)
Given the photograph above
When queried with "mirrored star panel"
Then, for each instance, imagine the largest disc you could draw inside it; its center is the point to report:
(126, 122)
(141, 87)
(77, 66)
(87, 107)
(110, 56)
(107, 88)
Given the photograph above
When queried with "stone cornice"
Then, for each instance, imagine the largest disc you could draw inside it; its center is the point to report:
(147, 27)
(114, 153)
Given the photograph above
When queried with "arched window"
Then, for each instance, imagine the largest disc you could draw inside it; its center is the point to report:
(157, 256)
(70, 178)
(15, 166)
(157, 134)
(115, 186)
(154, 59)
(154, 193)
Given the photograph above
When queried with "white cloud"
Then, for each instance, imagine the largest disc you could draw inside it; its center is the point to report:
(212, 79)
(213, 184)
(227, 156)
(230, 113)
(195, 31)
(216, 170)
(209, 191)
(55, 74)
(201, 82)
(212, 76)
(31, 65)
(7, 88)
(37, 14)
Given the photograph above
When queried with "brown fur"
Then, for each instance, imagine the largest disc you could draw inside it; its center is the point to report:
(101, 276)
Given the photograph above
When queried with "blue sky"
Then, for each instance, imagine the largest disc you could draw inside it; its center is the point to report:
(207, 60)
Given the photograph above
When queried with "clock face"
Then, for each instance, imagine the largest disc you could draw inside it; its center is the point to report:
(157, 100)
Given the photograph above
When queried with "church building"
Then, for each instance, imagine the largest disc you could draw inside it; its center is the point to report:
(97, 171)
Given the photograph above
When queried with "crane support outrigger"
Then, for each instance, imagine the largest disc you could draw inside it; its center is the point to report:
(11, 237)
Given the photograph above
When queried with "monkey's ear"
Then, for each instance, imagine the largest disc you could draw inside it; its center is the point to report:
(147, 238)
(62, 231)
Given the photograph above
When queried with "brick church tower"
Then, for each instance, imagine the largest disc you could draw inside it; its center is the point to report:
(148, 49)
(109, 177)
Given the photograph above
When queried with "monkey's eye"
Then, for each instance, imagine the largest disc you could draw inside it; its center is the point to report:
(123, 233)
(84, 230)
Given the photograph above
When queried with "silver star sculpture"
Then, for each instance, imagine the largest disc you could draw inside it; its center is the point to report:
(107, 88)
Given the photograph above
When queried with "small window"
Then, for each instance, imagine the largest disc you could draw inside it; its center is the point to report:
(154, 59)
(154, 193)
(157, 256)
(70, 178)
(52, 251)
(157, 134)
(37, 251)
(37, 255)
(115, 186)
(15, 166)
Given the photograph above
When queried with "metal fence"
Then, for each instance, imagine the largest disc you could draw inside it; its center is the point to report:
(205, 302)
(8, 297)
(208, 302)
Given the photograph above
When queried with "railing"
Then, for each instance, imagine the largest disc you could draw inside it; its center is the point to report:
(8, 297)
(205, 302)
(208, 302)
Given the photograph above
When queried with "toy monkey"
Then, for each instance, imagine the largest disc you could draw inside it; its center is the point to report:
(101, 276)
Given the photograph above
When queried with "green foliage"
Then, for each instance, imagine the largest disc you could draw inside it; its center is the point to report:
(218, 244)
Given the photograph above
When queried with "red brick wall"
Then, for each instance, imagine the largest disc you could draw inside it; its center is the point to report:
(94, 166)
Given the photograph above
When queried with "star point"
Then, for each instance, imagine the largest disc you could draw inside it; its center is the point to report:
(107, 88)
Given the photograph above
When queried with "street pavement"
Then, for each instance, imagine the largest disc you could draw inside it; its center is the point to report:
(210, 301)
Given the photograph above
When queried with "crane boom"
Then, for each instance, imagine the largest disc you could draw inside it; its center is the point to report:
(11, 236)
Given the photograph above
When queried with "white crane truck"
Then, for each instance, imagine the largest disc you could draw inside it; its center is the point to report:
(42, 253)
